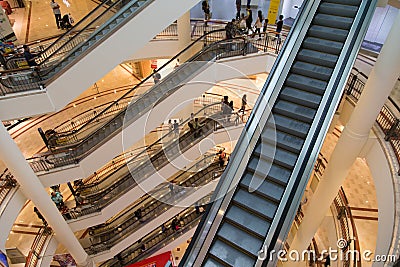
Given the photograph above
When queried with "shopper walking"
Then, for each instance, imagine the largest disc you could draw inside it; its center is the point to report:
(279, 26)
(207, 13)
(57, 12)
(249, 20)
(258, 24)
(238, 7)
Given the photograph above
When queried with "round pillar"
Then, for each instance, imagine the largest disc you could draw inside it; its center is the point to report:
(34, 190)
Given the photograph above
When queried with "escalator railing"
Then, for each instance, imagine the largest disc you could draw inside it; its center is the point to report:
(152, 205)
(102, 193)
(158, 238)
(105, 19)
(117, 163)
(73, 154)
(7, 183)
(259, 192)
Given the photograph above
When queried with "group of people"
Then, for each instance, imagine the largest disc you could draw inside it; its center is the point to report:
(176, 223)
(64, 22)
(221, 157)
(244, 25)
(173, 127)
(195, 126)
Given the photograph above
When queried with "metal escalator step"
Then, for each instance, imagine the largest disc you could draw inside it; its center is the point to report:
(318, 58)
(291, 126)
(265, 168)
(333, 34)
(333, 21)
(306, 83)
(230, 255)
(211, 262)
(267, 188)
(294, 111)
(338, 9)
(255, 203)
(242, 239)
(249, 220)
(300, 97)
(312, 70)
(282, 157)
(284, 140)
(345, 2)
(322, 45)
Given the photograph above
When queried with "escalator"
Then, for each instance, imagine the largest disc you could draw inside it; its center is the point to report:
(76, 148)
(160, 238)
(259, 192)
(93, 47)
(154, 208)
(148, 172)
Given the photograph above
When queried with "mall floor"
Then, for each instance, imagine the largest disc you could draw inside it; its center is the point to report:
(37, 21)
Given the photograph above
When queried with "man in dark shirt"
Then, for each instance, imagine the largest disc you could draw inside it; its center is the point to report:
(279, 26)
(30, 58)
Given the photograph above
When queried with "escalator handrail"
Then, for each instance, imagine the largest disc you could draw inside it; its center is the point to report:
(83, 29)
(70, 31)
(122, 97)
(151, 194)
(160, 207)
(148, 77)
(159, 141)
(243, 147)
(147, 147)
(319, 127)
(108, 22)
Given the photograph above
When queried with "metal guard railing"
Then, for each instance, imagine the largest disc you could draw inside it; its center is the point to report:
(73, 155)
(113, 233)
(157, 238)
(114, 189)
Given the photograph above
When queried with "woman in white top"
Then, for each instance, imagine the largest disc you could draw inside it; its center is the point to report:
(258, 25)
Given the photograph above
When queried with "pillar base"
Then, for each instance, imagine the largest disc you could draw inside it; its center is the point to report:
(87, 263)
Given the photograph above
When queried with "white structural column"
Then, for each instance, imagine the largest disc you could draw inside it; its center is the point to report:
(376, 91)
(184, 32)
(33, 190)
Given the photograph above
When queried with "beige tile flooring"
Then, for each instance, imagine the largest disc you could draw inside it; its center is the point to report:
(358, 186)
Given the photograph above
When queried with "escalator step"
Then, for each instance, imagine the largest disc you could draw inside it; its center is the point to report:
(264, 168)
(312, 70)
(282, 157)
(249, 220)
(338, 9)
(294, 127)
(267, 188)
(255, 203)
(327, 33)
(240, 238)
(301, 97)
(333, 21)
(325, 46)
(294, 111)
(211, 262)
(345, 2)
(306, 84)
(230, 255)
(282, 139)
